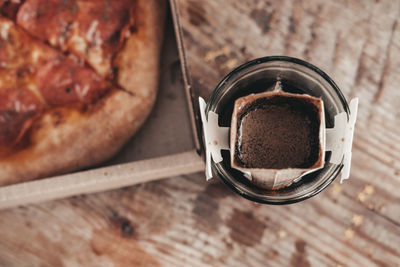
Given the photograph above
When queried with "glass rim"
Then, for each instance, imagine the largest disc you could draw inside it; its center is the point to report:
(233, 75)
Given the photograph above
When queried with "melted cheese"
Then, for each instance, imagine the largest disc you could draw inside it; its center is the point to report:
(7, 79)
(21, 107)
(53, 40)
(35, 55)
(81, 91)
(4, 29)
(35, 90)
(97, 61)
(17, 106)
(92, 30)
(17, 61)
(65, 82)
(79, 43)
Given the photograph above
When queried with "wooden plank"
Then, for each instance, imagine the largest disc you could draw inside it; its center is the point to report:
(100, 179)
(186, 221)
(356, 43)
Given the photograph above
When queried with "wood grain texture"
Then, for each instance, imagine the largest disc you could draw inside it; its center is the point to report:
(186, 221)
(100, 179)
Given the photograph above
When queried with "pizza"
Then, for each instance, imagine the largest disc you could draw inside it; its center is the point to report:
(77, 80)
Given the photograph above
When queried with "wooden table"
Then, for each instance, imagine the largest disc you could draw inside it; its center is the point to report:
(186, 221)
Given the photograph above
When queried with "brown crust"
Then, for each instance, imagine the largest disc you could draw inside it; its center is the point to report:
(66, 140)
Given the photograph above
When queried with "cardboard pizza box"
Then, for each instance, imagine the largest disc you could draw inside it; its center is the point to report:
(167, 145)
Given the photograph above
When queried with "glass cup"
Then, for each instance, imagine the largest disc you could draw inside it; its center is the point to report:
(260, 75)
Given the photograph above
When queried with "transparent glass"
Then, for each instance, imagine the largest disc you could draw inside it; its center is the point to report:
(296, 76)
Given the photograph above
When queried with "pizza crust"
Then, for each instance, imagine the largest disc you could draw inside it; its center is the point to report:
(65, 139)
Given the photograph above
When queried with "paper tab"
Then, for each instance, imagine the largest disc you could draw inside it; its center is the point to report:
(335, 138)
(339, 139)
(216, 138)
(348, 141)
